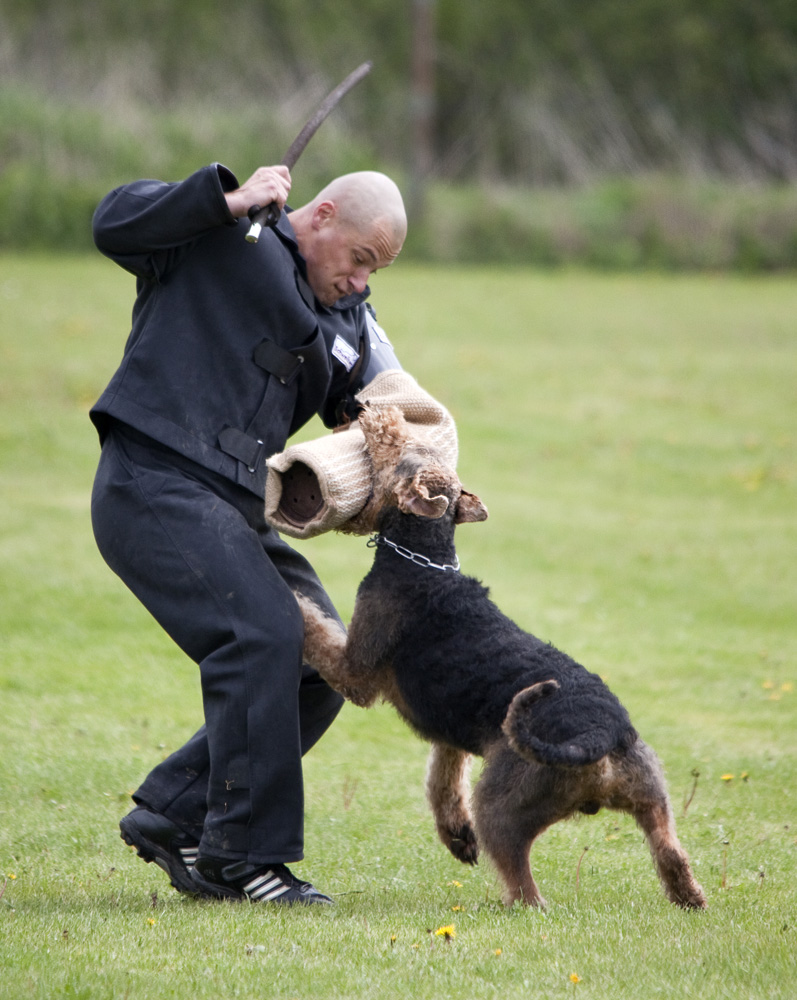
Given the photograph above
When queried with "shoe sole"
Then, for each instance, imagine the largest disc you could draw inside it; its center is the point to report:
(209, 890)
(147, 850)
(212, 890)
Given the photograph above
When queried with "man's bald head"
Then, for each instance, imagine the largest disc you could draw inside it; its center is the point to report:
(353, 227)
(368, 200)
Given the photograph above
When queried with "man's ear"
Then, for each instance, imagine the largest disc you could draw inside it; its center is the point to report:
(469, 509)
(324, 213)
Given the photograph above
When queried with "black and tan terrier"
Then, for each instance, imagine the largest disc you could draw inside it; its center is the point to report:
(554, 739)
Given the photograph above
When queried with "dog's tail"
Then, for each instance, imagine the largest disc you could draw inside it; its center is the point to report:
(532, 736)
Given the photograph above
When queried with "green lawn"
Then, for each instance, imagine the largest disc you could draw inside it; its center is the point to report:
(634, 438)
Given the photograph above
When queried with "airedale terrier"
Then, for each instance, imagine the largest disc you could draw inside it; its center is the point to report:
(428, 639)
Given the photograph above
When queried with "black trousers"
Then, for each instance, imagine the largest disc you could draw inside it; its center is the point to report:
(196, 551)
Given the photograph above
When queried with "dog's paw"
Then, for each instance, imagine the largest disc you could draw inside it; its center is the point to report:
(462, 843)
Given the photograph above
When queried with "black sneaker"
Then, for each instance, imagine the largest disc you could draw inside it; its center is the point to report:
(220, 879)
(157, 839)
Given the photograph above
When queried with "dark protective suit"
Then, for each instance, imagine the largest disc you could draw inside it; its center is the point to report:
(228, 355)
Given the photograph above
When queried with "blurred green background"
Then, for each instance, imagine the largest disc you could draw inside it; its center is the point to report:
(661, 133)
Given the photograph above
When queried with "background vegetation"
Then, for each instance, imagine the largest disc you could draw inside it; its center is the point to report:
(633, 438)
(660, 133)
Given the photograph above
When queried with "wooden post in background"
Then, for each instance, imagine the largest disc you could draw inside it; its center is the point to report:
(422, 97)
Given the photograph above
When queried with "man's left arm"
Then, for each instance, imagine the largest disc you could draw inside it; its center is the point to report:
(357, 366)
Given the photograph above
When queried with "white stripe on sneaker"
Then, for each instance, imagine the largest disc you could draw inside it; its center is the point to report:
(259, 881)
(275, 893)
(267, 886)
(273, 887)
(189, 856)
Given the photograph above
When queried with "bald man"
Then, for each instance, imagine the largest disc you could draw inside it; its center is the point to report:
(233, 348)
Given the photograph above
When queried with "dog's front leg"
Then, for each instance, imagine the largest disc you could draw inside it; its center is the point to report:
(448, 792)
(325, 649)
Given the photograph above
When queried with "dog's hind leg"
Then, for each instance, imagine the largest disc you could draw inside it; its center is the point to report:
(448, 792)
(650, 806)
(670, 858)
(513, 805)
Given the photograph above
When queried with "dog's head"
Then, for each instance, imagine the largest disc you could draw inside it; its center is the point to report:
(410, 474)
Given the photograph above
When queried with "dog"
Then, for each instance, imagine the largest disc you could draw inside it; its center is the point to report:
(429, 640)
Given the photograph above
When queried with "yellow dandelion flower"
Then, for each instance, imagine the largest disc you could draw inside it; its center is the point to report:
(787, 686)
(767, 685)
(498, 951)
(12, 876)
(151, 921)
(448, 932)
(393, 939)
(727, 777)
(456, 909)
(574, 978)
(457, 885)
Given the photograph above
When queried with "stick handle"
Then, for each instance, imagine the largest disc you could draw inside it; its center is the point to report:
(260, 217)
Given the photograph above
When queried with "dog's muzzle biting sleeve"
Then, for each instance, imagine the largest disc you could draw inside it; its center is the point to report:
(324, 484)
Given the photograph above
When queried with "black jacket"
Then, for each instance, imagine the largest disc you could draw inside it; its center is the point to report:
(229, 352)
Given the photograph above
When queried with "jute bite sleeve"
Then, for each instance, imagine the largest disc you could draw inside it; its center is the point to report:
(326, 484)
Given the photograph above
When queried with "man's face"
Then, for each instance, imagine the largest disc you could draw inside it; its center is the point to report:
(341, 259)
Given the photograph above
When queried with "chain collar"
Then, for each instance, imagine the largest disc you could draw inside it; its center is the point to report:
(416, 557)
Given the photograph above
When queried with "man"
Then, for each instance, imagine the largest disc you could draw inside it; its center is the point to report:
(233, 347)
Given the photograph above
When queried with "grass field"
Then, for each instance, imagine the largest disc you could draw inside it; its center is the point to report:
(634, 439)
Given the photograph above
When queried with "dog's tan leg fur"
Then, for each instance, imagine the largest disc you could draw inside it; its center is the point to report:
(633, 782)
(448, 793)
(325, 650)
(672, 862)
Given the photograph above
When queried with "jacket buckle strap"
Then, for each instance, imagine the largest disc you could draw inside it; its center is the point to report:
(277, 361)
(242, 447)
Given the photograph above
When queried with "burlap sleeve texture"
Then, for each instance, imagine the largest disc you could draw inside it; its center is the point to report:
(325, 484)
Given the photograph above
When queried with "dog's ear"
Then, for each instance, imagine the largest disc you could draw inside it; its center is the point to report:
(413, 498)
(469, 509)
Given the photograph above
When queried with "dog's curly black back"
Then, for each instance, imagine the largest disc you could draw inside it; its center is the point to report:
(467, 672)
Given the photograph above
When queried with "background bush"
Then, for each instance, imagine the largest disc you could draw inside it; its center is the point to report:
(656, 134)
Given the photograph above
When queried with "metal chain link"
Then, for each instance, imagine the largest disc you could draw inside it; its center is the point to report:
(418, 558)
